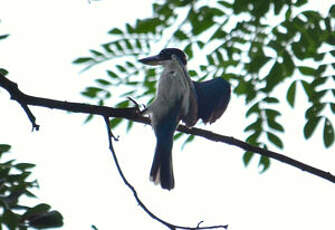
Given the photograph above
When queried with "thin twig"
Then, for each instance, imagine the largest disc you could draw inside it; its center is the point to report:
(141, 204)
(31, 117)
(110, 135)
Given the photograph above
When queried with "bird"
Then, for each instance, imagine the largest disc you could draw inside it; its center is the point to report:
(178, 98)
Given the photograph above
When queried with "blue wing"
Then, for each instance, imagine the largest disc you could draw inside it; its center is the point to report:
(213, 97)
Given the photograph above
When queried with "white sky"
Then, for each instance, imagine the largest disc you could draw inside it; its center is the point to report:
(75, 169)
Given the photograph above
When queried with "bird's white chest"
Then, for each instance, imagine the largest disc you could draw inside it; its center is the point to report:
(173, 91)
(170, 88)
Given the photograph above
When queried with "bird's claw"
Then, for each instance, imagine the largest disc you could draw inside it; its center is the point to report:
(137, 106)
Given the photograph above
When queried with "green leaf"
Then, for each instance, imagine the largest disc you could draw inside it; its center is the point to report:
(332, 107)
(257, 126)
(150, 72)
(38, 209)
(97, 53)
(332, 11)
(319, 57)
(88, 118)
(290, 96)
(128, 44)
(319, 81)
(118, 46)
(4, 36)
(272, 114)
(180, 35)
(305, 70)
(11, 219)
(200, 44)
(274, 139)
(130, 64)
(203, 67)
(129, 28)
(210, 60)
(319, 94)
(202, 20)
(91, 92)
(300, 2)
(3, 72)
(47, 220)
(133, 82)
(177, 136)
(253, 109)
(265, 162)
(308, 89)
(310, 126)
(328, 133)
(192, 73)
(4, 148)
(252, 139)
(108, 48)
(107, 95)
(314, 110)
(128, 93)
(115, 31)
(103, 82)
(297, 49)
(83, 60)
(188, 140)
(320, 70)
(24, 166)
(225, 4)
(219, 34)
(247, 157)
(275, 125)
(188, 50)
(112, 74)
(129, 125)
(333, 90)
(121, 68)
(288, 14)
(115, 122)
(148, 25)
(219, 58)
(271, 100)
(274, 77)
(278, 5)
(138, 44)
(123, 104)
(246, 88)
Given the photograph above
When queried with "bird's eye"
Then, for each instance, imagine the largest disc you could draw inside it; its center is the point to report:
(163, 52)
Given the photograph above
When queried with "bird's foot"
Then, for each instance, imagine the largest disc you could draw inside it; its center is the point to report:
(137, 106)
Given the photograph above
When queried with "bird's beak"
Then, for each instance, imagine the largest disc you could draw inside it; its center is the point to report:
(153, 60)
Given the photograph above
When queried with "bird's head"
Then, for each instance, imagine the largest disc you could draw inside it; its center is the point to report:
(165, 57)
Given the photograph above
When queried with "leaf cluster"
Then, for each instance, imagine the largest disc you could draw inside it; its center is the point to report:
(14, 186)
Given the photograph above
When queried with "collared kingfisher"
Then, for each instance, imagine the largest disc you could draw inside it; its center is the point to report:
(178, 98)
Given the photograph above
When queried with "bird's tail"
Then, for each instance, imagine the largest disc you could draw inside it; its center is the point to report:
(161, 169)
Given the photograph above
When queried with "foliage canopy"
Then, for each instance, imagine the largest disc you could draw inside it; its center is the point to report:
(256, 45)
(15, 185)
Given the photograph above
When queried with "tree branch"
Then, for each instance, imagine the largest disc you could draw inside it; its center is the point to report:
(132, 114)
